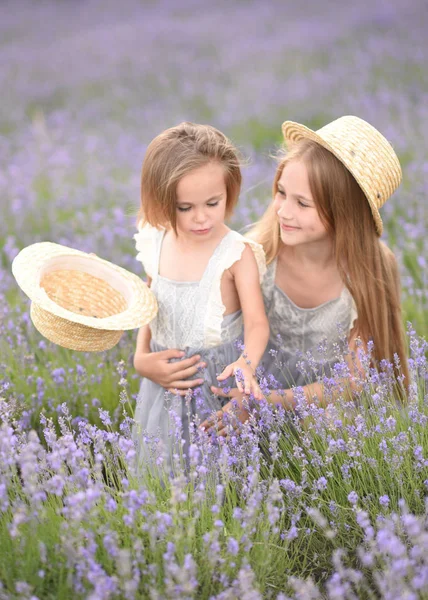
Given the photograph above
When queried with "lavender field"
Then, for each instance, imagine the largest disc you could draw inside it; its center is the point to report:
(330, 503)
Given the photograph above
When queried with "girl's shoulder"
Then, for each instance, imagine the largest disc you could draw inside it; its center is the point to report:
(238, 243)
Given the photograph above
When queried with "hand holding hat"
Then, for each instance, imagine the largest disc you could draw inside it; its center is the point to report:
(79, 300)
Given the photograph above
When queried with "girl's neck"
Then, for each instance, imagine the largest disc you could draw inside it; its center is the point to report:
(309, 256)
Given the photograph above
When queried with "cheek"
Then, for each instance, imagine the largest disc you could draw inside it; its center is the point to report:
(182, 218)
(317, 225)
(276, 204)
(219, 212)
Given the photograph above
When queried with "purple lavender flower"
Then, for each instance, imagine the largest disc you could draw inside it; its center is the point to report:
(353, 497)
(384, 500)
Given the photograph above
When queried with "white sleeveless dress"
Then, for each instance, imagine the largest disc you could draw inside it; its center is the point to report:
(321, 331)
(190, 318)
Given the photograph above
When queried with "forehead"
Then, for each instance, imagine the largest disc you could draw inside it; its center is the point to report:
(295, 176)
(202, 183)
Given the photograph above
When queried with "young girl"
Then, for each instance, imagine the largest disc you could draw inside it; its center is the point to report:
(328, 273)
(206, 277)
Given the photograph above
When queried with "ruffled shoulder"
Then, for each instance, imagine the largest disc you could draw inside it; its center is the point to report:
(230, 251)
(233, 248)
(146, 243)
(259, 255)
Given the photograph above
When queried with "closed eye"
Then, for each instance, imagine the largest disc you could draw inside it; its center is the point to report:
(302, 204)
(187, 208)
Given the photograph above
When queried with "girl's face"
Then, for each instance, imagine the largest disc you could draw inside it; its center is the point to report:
(295, 207)
(201, 202)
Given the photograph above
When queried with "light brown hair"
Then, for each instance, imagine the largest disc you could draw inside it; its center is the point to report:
(366, 265)
(173, 154)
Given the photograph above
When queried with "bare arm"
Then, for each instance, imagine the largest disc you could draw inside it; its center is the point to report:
(256, 326)
(315, 391)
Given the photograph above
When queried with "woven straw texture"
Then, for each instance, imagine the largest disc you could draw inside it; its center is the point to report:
(81, 301)
(72, 335)
(363, 150)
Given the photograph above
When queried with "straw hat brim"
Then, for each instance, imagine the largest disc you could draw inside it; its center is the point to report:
(34, 261)
(362, 150)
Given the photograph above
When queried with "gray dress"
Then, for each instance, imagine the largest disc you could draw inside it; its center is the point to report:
(190, 318)
(304, 343)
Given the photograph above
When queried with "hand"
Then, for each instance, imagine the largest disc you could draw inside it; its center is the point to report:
(157, 367)
(244, 377)
(234, 409)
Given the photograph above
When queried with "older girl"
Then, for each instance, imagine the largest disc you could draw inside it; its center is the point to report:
(329, 276)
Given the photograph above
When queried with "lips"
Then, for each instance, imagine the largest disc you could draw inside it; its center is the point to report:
(288, 227)
(201, 231)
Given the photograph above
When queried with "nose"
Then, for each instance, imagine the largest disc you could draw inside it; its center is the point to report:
(200, 216)
(284, 211)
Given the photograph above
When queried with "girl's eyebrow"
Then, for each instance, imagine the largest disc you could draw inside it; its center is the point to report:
(218, 197)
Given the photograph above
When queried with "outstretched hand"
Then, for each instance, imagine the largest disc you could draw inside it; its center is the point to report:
(233, 413)
(245, 379)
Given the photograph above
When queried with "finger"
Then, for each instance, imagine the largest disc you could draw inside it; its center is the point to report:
(227, 372)
(185, 373)
(257, 393)
(174, 353)
(251, 386)
(184, 385)
(185, 363)
(223, 430)
(210, 426)
(178, 392)
(219, 392)
(211, 421)
(239, 386)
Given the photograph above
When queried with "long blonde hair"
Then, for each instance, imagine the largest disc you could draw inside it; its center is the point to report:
(173, 154)
(366, 265)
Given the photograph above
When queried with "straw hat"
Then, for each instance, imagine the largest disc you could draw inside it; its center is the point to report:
(79, 300)
(363, 150)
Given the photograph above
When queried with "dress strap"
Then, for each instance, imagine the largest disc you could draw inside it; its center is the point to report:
(353, 308)
(225, 255)
(269, 284)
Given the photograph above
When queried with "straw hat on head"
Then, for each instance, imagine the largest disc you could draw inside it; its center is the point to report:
(363, 150)
(79, 300)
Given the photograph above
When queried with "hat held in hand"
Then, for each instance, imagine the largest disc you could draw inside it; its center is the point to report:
(79, 300)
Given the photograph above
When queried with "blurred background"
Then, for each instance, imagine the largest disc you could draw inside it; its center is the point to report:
(86, 84)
